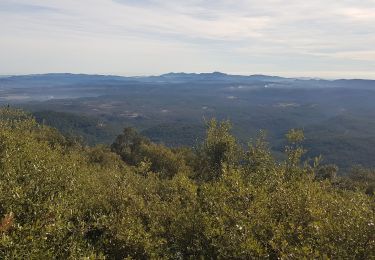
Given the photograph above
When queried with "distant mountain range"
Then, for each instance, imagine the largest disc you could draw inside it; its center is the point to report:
(337, 115)
(209, 78)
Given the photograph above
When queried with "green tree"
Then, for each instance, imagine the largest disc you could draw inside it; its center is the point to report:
(219, 150)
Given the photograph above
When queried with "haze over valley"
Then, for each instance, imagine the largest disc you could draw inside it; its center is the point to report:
(336, 115)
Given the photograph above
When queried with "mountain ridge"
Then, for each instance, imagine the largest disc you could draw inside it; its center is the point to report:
(215, 74)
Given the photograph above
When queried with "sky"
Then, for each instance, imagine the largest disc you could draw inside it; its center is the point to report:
(296, 38)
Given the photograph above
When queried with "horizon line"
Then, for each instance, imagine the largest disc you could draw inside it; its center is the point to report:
(183, 72)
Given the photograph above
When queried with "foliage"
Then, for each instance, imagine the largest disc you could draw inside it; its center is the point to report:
(137, 199)
(218, 151)
(87, 129)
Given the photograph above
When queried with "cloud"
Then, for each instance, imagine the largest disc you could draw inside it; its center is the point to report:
(241, 35)
(359, 14)
(11, 7)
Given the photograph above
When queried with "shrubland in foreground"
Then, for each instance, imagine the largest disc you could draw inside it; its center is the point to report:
(137, 199)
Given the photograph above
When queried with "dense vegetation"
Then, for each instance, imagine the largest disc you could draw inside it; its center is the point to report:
(138, 199)
(336, 115)
(88, 129)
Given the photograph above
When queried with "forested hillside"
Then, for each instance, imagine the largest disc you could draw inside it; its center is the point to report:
(88, 130)
(336, 115)
(344, 140)
(138, 199)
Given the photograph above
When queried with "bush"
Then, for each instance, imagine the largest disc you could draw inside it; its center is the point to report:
(137, 199)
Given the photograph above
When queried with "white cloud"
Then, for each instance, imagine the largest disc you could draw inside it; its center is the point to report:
(191, 35)
(359, 14)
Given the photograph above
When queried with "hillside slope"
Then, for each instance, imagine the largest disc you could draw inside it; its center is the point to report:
(138, 199)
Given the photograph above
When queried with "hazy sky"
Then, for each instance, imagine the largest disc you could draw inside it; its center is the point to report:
(322, 38)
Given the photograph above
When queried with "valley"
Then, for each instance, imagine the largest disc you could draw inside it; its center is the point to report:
(172, 109)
